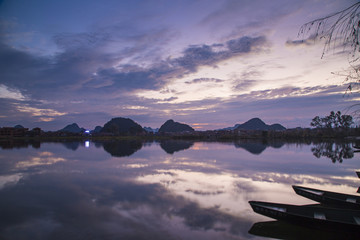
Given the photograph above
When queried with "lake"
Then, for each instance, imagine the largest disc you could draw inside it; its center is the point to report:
(162, 190)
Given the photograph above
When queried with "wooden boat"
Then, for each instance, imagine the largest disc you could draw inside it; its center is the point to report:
(315, 216)
(329, 198)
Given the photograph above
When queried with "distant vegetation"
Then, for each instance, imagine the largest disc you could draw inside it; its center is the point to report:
(335, 125)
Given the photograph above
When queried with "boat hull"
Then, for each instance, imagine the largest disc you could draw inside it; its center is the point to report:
(310, 215)
(329, 198)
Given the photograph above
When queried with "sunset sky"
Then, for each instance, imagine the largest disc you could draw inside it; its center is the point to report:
(210, 64)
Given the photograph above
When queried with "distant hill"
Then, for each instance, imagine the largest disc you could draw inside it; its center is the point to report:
(171, 126)
(72, 128)
(97, 129)
(256, 124)
(119, 126)
(19, 126)
(151, 130)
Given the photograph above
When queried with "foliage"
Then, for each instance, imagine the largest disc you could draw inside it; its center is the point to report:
(341, 26)
(340, 29)
(333, 120)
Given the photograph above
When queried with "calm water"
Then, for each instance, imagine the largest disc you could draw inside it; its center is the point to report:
(161, 190)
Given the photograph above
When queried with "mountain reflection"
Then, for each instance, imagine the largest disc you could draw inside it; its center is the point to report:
(72, 145)
(257, 146)
(172, 146)
(122, 148)
(335, 151)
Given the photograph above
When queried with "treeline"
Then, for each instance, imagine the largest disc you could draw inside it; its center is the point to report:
(334, 120)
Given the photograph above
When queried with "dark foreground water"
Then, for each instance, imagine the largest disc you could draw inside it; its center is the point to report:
(163, 190)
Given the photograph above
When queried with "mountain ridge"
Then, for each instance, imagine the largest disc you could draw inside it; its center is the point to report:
(172, 126)
(121, 125)
(256, 124)
(72, 128)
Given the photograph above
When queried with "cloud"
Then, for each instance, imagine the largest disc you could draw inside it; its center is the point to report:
(106, 67)
(112, 58)
(19, 69)
(42, 115)
(9, 93)
(247, 79)
(135, 78)
(249, 17)
(205, 80)
(279, 105)
(154, 77)
(244, 84)
(206, 55)
(311, 40)
(10, 115)
(80, 40)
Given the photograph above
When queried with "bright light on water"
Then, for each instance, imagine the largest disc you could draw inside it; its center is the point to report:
(87, 144)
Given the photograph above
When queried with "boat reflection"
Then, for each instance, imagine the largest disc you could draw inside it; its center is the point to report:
(284, 230)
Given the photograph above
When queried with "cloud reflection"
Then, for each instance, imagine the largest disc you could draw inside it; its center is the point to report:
(44, 158)
(199, 193)
(74, 206)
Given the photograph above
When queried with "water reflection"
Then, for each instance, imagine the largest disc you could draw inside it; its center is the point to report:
(122, 148)
(59, 206)
(172, 146)
(257, 146)
(160, 190)
(335, 151)
(283, 230)
(10, 143)
(72, 145)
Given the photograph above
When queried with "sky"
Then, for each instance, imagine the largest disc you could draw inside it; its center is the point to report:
(209, 64)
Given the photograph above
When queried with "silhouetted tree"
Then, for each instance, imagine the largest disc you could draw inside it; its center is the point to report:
(333, 120)
(346, 121)
(316, 122)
